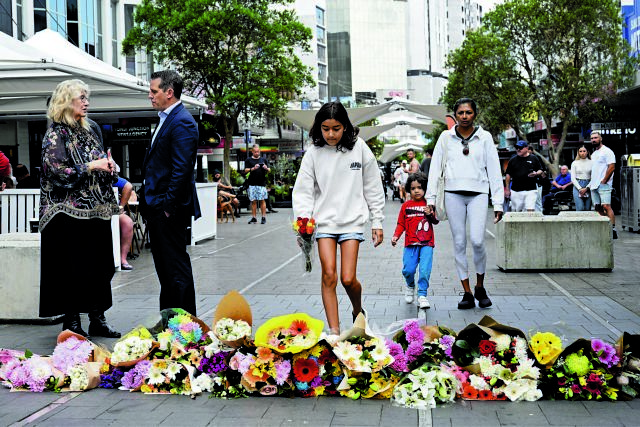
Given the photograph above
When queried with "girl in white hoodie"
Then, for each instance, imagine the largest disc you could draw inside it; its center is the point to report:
(339, 186)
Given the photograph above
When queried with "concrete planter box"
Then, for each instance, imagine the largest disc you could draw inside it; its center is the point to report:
(19, 276)
(568, 241)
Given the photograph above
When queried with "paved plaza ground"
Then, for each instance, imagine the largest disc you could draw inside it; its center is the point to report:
(263, 263)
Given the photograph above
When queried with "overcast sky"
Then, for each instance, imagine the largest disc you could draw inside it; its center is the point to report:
(488, 4)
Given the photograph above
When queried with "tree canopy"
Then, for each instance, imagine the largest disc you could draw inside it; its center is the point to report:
(554, 58)
(239, 54)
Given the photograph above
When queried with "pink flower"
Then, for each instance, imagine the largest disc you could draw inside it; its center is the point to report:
(575, 388)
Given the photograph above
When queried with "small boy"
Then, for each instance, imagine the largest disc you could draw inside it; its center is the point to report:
(415, 220)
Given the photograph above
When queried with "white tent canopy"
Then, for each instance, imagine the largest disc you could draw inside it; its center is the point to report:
(391, 151)
(368, 132)
(29, 71)
(304, 118)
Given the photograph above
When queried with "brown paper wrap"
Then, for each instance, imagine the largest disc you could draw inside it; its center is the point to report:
(233, 306)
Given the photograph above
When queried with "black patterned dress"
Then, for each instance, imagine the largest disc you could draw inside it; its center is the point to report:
(75, 224)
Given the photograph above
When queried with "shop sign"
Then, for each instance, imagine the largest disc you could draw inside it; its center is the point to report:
(615, 128)
(132, 132)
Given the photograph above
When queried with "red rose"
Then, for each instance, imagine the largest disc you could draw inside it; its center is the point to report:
(487, 347)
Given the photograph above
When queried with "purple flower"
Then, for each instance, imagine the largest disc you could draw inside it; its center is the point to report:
(415, 335)
(413, 350)
(400, 363)
(410, 325)
(317, 381)
(135, 377)
(71, 352)
(597, 345)
(394, 348)
(283, 369)
(214, 364)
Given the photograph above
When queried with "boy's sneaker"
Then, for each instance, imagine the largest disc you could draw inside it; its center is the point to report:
(481, 296)
(423, 302)
(467, 302)
(409, 294)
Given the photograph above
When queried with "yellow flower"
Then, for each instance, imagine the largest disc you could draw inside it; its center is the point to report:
(320, 390)
(582, 381)
(316, 350)
(546, 347)
(146, 388)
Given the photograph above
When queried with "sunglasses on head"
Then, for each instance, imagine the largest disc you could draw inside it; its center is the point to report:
(465, 148)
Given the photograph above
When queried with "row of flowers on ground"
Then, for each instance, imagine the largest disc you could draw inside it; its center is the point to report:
(417, 366)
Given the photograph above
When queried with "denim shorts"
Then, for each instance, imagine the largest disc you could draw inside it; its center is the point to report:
(341, 237)
(601, 195)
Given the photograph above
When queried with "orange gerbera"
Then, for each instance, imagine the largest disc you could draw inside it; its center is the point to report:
(305, 370)
(469, 392)
(485, 395)
(264, 353)
(299, 327)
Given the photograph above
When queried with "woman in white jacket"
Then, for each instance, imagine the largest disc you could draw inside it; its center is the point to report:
(471, 169)
(339, 186)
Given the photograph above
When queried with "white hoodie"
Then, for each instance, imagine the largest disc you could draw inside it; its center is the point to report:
(478, 171)
(341, 190)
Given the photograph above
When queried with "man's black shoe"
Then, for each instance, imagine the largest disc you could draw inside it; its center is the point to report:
(253, 220)
(263, 220)
(615, 234)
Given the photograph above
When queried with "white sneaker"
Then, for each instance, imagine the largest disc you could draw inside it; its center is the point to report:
(408, 294)
(423, 302)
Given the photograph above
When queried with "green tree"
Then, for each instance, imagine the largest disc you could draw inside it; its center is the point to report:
(553, 57)
(239, 54)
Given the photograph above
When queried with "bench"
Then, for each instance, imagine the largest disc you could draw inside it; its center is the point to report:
(568, 241)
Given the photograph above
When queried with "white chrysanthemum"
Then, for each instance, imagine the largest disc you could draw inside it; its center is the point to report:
(521, 349)
(172, 370)
(527, 370)
(478, 382)
(533, 395)
(155, 376)
(380, 352)
(79, 378)
(515, 390)
(344, 350)
(503, 342)
(486, 365)
(202, 383)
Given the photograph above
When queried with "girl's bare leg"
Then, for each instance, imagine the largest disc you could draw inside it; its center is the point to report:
(327, 250)
(348, 266)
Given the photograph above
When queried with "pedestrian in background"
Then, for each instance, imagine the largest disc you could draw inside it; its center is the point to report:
(523, 171)
(542, 183)
(603, 163)
(76, 206)
(257, 167)
(339, 186)
(413, 166)
(581, 176)
(168, 196)
(416, 221)
(472, 168)
(400, 179)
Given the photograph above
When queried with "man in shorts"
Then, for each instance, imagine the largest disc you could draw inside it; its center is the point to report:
(522, 172)
(603, 163)
(257, 167)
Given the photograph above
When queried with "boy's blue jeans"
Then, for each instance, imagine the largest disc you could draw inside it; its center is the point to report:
(413, 257)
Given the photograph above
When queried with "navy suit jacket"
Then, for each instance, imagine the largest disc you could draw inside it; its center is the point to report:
(169, 183)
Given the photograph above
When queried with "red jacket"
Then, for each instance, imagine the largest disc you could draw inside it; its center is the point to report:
(416, 225)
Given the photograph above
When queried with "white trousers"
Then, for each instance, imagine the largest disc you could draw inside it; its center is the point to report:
(522, 201)
(472, 210)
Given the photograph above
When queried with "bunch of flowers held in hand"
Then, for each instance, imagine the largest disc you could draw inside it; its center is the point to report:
(426, 386)
(363, 354)
(305, 229)
(264, 372)
(505, 370)
(580, 375)
(131, 348)
(228, 329)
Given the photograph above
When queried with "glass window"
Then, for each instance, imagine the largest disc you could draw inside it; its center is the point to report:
(322, 72)
(39, 20)
(6, 20)
(72, 22)
(322, 53)
(319, 16)
(19, 18)
(128, 25)
(323, 94)
(114, 36)
(320, 34)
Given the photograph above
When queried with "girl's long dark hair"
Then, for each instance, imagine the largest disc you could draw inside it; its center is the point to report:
(336, 111)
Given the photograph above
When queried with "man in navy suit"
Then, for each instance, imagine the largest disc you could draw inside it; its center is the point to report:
(169, 198)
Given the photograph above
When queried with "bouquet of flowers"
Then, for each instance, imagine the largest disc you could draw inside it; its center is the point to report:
(70, 353)
(305, 229)
(416, 345)
(265, 371)
(425, 387)
(367, 385)
(31, 372)
(232, 331)
(505, 370)
(628, 377)
(316, 372)
(166, 376)
(582, 372)
(546, 347)
(84, 376)
(130, 350)
(291, 333)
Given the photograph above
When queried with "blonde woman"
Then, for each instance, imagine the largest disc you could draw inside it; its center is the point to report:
(76, 205)
(581, 176)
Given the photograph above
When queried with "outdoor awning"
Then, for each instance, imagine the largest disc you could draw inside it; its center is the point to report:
(391, 151)
(368, 132)
(304, 118)
(29, 71)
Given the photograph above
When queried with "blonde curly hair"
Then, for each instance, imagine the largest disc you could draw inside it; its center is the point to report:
(61, 108)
